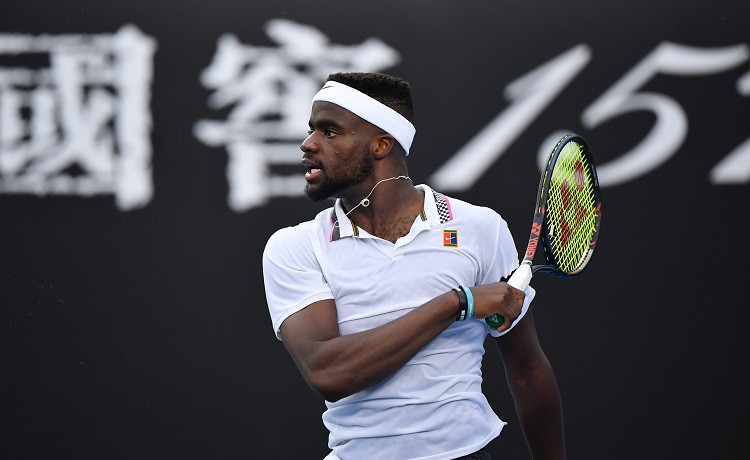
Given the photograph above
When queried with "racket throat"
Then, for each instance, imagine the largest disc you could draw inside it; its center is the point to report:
(521, 277)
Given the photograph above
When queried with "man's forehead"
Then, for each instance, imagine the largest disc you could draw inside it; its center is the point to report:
(322, 110)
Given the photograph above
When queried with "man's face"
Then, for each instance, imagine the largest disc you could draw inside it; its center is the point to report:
(337, 152)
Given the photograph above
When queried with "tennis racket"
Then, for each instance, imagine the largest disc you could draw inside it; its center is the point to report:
(567, 216)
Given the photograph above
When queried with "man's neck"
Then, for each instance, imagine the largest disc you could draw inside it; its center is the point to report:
(391, 212)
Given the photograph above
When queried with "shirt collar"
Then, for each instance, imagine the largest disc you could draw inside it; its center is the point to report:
(436, 211)
(341, 225)
(430, 211)
(437, 206)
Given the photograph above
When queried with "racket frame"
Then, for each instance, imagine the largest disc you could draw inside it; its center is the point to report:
(540, 224)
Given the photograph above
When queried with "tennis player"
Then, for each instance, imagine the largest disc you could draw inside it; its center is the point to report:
(380, 299)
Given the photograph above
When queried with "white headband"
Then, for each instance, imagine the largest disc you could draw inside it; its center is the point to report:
(369, 109)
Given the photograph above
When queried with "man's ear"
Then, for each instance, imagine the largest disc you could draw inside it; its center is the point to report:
(382, 145)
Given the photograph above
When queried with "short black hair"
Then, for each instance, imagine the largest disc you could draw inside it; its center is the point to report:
(388, 90)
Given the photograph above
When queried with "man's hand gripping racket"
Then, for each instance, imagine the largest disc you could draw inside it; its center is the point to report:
(567, 216)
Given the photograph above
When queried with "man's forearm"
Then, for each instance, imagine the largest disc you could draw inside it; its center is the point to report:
(337, 366)
(538, 405)
(343, 365)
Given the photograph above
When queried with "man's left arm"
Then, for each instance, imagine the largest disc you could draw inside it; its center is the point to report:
(532, 383)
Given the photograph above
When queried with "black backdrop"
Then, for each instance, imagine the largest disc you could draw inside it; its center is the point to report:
(144, 331)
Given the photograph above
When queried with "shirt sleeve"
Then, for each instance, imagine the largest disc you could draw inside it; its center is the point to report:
(292, 276)
(503, 262)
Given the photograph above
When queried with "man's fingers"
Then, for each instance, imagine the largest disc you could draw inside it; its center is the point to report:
(511, 310)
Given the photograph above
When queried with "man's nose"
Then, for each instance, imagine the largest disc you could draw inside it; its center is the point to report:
(309, 145)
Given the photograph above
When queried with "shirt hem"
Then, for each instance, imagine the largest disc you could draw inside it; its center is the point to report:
(468, 449)
(452, 454)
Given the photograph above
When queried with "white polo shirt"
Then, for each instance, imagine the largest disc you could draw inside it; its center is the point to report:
(433, 407)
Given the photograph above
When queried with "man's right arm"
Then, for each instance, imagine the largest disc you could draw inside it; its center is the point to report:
(337, 366)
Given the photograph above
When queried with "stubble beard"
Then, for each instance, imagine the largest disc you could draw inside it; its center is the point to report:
(336, 179)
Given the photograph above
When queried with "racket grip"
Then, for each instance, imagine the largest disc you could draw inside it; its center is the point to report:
(519, 280)
(521, 277)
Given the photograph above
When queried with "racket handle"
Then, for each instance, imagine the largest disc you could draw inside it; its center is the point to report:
(519, 280)
(521, 277)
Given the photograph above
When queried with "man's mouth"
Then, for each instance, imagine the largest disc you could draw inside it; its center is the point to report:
(312, 173)
(313, 170)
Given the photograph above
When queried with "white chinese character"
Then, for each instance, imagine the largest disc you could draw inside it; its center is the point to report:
(269, 90)
(81, 124)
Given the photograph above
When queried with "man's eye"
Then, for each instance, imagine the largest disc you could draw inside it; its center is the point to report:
(328, 133)
(309, 131)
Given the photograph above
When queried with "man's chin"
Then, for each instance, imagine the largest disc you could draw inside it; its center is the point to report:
(317, 194)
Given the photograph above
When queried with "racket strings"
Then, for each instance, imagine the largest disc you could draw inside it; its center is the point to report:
(571, 209)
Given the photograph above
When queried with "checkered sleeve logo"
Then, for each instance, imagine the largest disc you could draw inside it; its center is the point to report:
(443, 208)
